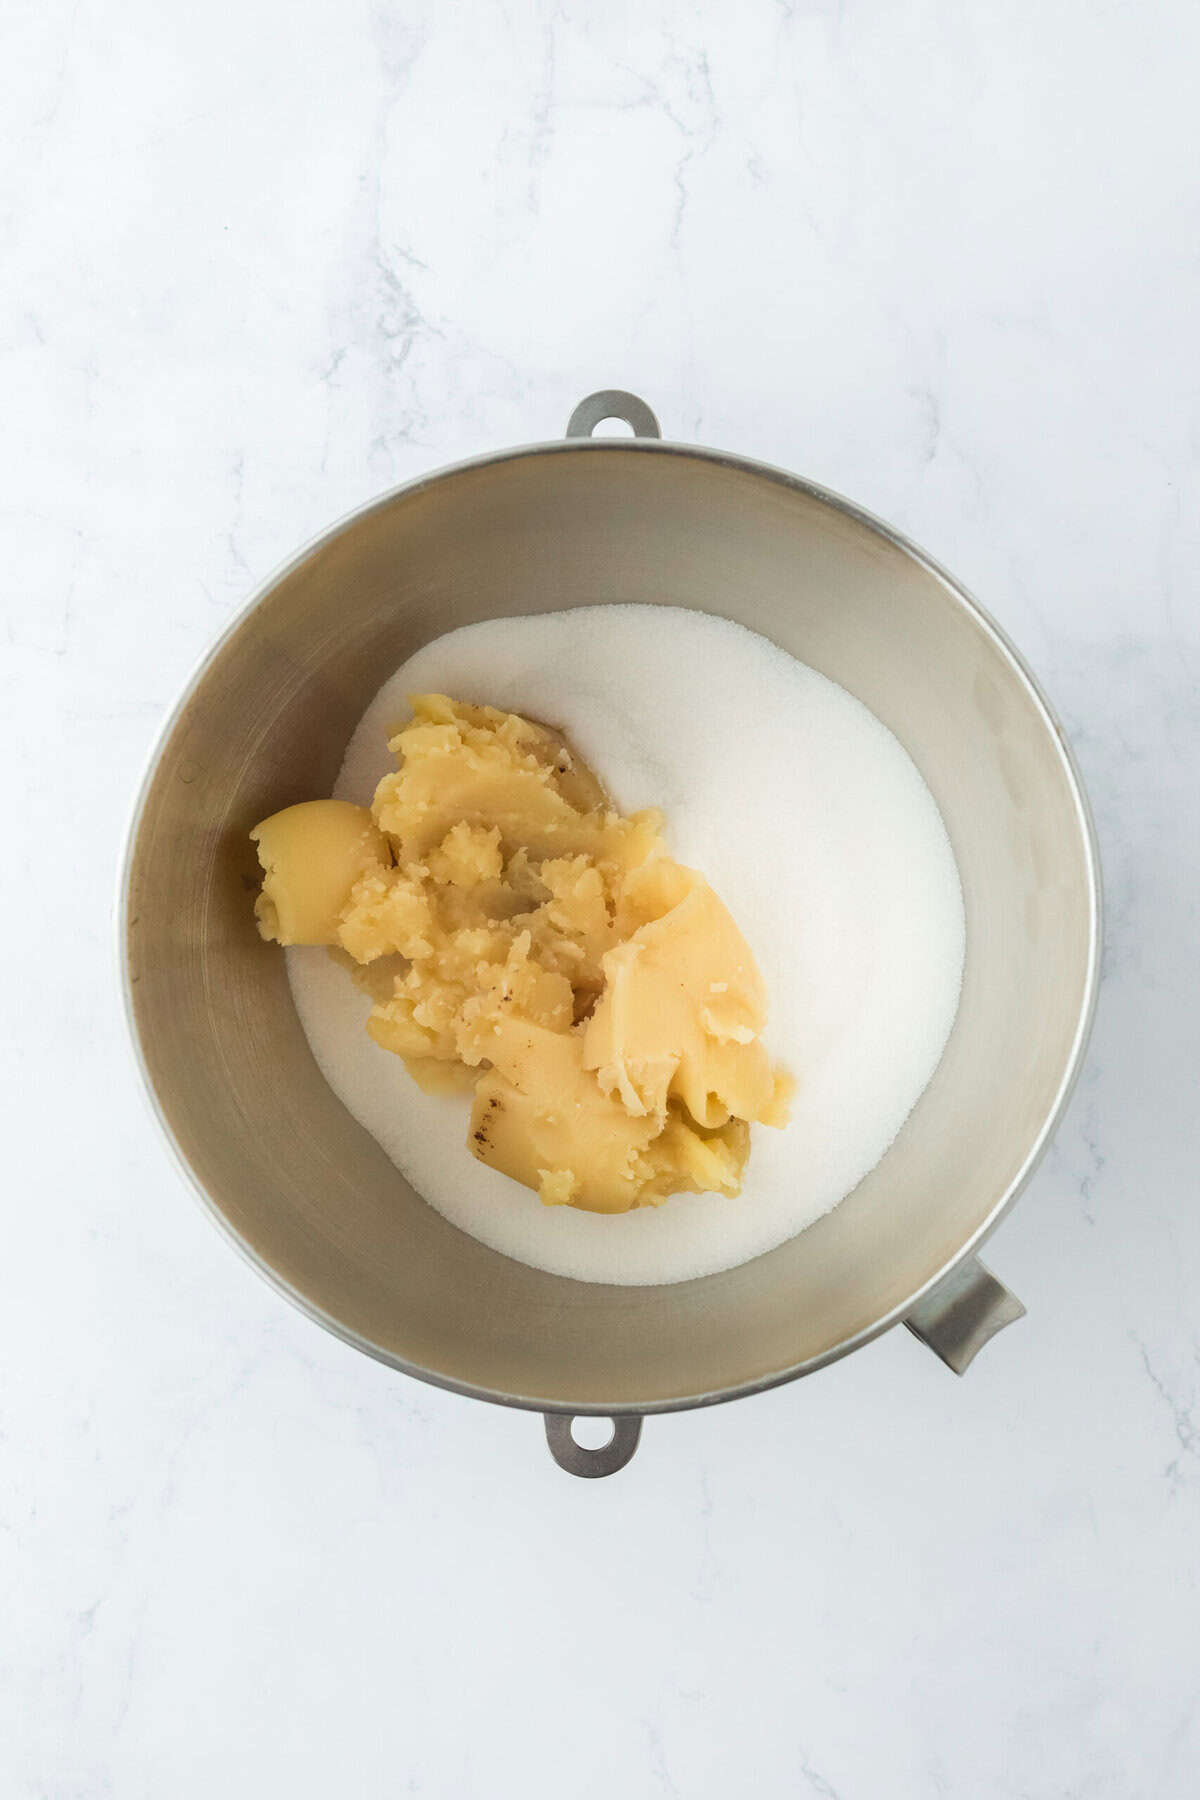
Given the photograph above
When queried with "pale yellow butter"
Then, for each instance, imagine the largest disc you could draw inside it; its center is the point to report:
(312, 854)
(518, 934)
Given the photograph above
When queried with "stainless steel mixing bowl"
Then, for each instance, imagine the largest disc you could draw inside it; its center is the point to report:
(311, 1198)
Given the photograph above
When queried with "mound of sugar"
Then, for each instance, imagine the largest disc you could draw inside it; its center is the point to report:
(815, 828)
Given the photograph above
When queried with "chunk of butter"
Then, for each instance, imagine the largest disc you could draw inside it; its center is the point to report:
(679, 1016)
(540, 1117)
(312, 854)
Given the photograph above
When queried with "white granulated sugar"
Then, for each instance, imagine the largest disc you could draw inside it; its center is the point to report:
(813, 826)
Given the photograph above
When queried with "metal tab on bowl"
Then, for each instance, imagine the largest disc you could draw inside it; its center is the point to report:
(605, 1459)
(612, 403)
(961, 1313)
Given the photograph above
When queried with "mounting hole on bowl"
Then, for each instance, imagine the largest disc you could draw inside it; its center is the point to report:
(590, 1446)
(593, 1434)
(612, 412)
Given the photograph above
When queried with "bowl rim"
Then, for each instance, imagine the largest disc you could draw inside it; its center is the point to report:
(734, 462)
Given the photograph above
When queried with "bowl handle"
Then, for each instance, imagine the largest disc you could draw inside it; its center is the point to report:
(577, 1459)
(612, 403)
(959, 1315)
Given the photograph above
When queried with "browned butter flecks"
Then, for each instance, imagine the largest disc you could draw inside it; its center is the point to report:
(519, 937)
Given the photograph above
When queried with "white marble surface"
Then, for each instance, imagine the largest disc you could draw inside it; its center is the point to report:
(264, 260)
